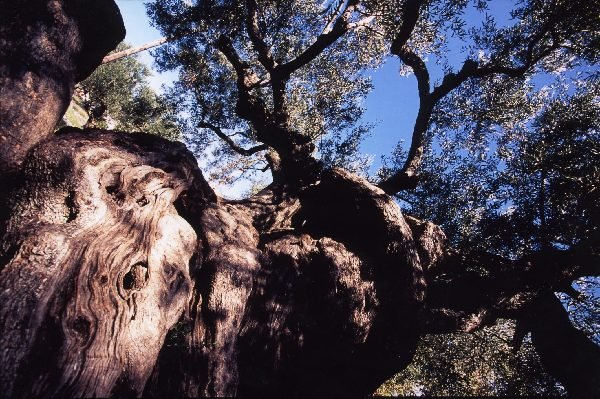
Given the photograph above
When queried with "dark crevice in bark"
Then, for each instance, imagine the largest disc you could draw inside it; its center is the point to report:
(71, 206)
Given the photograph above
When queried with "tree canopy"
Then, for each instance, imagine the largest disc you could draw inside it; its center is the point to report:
(304, 64)
(123, 272)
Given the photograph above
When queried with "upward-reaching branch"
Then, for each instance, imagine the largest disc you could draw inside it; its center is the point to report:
(410, 16)
(248, 107)
(293, 148)
(272, 123)
(406, 178)
(280, 74)
(324, 40)
(264, 54)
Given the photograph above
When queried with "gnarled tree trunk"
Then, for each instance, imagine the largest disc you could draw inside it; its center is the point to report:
(97, 269)
(297, 297)
(285, 295)
(121, 272)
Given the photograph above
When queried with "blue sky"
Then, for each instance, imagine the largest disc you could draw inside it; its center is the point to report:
(139, 32)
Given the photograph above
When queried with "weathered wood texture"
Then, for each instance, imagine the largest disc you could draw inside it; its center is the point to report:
(291, 307)
(98, 263)
(108, 238)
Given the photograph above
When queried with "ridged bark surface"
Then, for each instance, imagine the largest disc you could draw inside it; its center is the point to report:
(97, 266)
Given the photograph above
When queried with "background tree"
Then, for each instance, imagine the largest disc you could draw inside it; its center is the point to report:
(117, 95)
(483, 363)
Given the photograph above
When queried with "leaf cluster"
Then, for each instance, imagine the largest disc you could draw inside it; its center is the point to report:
(118, 96)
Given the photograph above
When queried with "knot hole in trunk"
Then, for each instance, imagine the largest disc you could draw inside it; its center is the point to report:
(134, 280)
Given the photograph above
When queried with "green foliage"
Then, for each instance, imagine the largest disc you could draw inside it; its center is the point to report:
(481, 364)
(553, 174)
(513, 182)
(118, 96)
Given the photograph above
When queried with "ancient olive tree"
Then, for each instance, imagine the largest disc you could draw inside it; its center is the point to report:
(113, 243)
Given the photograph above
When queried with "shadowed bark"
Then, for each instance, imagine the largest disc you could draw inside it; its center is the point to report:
(122, 273)
(564, 350)
(292, 307)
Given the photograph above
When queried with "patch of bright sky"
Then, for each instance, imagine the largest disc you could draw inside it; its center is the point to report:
(392, 106)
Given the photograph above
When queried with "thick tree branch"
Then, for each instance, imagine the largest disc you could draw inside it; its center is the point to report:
(246, 78)
(410, 16)
(564, 350)
(467, 290)
(324, 40)
(294, 150)
(264, 54)
(248, 106)
(464, 285)
(452, 80)
(232, 144)
(419, 68)
(406, 178)
(472, 69)
(252, 108)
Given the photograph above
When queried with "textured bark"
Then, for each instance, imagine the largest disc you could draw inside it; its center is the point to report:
(97, 267)
(115, 242)
(96, 255)
(285, 295)
(45, 48)
(286, 305)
